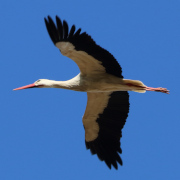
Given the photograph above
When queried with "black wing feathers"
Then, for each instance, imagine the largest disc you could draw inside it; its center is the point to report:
(59, 28)
(65, 30)
(72, 31)
(82, 42)
(111, 122)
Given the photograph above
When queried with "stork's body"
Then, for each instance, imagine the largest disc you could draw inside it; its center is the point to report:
(101, 83)
(101, 77)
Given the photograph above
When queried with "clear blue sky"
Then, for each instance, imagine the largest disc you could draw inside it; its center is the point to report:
(41, 131)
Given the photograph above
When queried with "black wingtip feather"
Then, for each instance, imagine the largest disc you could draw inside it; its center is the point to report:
(49, 30)
(65, 30)
(73, 28)
(59, 27)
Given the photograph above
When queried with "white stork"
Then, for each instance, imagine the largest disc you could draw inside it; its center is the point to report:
(101, 77)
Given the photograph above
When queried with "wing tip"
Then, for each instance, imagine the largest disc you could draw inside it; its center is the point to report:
(109, 156)
(59, 31)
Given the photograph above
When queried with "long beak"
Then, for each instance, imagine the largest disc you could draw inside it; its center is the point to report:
(25, 87)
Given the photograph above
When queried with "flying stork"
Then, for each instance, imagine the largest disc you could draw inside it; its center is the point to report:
(101, 77)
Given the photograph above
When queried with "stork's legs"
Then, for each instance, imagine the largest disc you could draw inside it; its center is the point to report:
(138, 86)
(160, 89)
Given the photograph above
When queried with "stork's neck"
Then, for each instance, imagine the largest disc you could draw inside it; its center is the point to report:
(72, 84)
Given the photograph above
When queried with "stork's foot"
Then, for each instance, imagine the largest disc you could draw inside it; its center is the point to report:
(160, 89)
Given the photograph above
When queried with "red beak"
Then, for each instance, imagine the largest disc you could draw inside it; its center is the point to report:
(25, 87)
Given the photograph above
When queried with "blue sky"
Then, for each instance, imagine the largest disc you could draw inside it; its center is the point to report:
(41, 131)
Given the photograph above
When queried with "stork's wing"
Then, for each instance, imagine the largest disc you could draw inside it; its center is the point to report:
(103, 121)
(82, 49)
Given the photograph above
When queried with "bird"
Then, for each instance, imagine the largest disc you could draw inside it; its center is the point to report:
(107, 91)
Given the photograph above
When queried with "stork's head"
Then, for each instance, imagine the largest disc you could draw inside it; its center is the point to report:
(39, 83)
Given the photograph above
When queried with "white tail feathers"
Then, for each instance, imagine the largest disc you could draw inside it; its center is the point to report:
(135, 85)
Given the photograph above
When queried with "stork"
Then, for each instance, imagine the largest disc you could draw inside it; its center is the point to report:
(101, 77)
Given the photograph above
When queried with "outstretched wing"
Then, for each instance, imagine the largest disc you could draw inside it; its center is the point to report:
(82, 49)
(103, 121)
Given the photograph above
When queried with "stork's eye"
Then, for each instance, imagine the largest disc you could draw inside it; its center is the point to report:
(38, 80)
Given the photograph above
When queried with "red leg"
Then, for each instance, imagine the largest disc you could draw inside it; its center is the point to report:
(160, 89)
